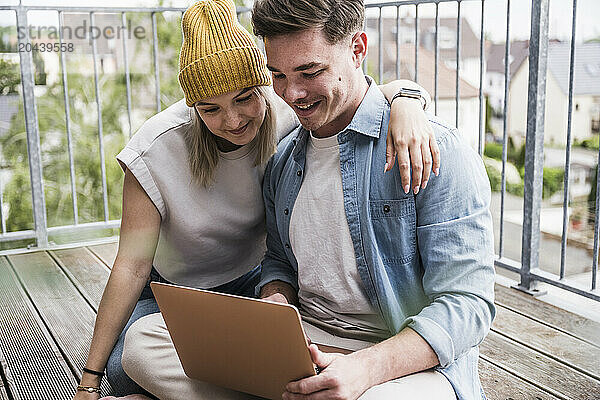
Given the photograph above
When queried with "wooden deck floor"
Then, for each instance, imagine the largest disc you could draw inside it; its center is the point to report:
(48, 302)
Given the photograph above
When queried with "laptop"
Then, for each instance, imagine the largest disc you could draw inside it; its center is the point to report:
(249, 345)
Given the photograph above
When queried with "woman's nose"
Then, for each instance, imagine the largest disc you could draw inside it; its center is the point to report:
(232, 120)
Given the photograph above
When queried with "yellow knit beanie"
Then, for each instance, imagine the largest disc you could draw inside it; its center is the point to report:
(218, 55)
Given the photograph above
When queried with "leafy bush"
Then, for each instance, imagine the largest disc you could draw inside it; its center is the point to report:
(553, 181)
(590, 143)
(515, 188)
(514, 183)
(489, 112)
(494, 176)
(493, 150)
(517, 155)
(592, 197)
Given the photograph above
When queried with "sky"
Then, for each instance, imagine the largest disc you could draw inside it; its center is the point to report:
(588, 13)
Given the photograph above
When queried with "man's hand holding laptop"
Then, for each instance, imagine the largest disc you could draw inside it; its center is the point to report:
(341, 376)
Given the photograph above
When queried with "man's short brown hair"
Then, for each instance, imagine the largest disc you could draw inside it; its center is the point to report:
(337, 18)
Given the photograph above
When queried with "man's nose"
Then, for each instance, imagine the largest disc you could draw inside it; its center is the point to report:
(294, 92)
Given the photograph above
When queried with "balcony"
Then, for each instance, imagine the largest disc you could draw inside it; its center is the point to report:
(60, 186)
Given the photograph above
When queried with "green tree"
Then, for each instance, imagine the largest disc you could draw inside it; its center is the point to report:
(84, 131)
(84, 128)
(55, 158)
(10, 78)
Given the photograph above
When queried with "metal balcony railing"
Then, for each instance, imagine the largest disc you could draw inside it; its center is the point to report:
(527, 267)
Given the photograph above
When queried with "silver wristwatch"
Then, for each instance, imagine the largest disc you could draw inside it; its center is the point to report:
(411, 93)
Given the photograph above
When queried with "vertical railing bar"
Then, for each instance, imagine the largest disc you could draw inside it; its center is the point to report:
(155, 54)
(458, 30)
(437, 56)
(505, 126)
(482, 107)
(2, 216)
(33, 133)
(182, 34)
(534, 146)
(127, 74)
(63, 67)
(397, 42)
(380, 47)
(565, 221)
(596, 223)
(416, 43)
(99, 110)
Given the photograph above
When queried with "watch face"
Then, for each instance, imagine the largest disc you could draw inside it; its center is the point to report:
(410, 92)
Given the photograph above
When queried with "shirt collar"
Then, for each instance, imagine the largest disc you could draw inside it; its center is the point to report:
(368, 116)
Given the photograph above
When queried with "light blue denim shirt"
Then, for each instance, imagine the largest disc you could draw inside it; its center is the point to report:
(426, 260)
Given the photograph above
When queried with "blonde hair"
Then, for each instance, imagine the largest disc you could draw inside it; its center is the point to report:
(203, 153)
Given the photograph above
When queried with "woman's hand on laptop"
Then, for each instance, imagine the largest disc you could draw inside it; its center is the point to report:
(279, 292)
(277, 298)
(341, 377)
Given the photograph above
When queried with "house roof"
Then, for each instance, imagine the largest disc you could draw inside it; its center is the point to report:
(469, 42)
(446, 76)
(519, 50)
(586, 80)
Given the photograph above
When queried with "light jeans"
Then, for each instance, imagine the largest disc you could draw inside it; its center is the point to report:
(150, 359)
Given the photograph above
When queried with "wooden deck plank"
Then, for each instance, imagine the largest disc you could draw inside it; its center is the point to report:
(33, 365)
(87, 272)
(544, 372)
(531, 307)
(66, 313)
(106, 252)
(549, 341)
(3, 393)
(501, 385)
(509, 369)
(3, 370)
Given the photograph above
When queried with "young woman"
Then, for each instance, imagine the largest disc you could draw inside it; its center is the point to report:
(193, 211)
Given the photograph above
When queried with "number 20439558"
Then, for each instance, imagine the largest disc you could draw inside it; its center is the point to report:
(46, 47)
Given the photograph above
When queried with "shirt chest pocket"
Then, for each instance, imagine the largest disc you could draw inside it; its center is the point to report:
(394, 226)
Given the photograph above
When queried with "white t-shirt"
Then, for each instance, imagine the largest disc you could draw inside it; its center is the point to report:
(330, 288)
(208, 236)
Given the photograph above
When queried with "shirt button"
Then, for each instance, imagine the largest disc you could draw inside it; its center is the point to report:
(286, 211)
(287, 245)
(386, 208)
(299, 173)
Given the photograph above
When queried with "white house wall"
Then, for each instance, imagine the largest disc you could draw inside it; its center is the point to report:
(517, 104)
(468, 119)
(556, 114)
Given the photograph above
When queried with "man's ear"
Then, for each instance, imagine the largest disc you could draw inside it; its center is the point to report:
(359, 48)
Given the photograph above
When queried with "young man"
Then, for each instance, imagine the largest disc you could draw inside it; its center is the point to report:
(364, 261)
